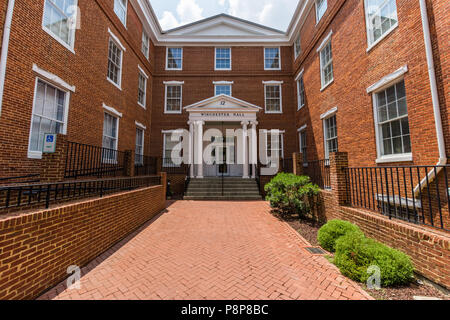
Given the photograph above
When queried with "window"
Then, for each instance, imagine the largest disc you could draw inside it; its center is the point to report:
(321, 7)
(145, 45)
(280, 149)
(223, 89)
(303, 145)
(114, 63)
(273, 98)
(392, 121)
(223, 58)
(297, 47)
(58, 17)
(174, 58)
(330, 133)
(272, 59)
(120, 8)
(381, 18)
(139, 152)
(300, 93)
(110, 137)
(49, 114)
(142, 90)
(169, 147)
(173, 98)
(326, 65)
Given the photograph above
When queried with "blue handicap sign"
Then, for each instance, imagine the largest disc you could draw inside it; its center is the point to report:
(49, 138)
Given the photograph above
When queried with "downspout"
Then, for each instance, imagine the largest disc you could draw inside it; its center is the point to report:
(5, 47)
(435, 99)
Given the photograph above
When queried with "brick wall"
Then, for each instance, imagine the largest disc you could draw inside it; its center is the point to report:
(37, 248)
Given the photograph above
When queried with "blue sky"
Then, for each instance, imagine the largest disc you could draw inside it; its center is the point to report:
(273, 13)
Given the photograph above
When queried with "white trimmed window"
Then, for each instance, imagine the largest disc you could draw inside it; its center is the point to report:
(142, 90)
(381, 18)
(321, 8)
(223, 59)
(58, 19)
(280, 149)
(326, 65)
(174, 59)
(49, 115)
(300, 93)
(297, 47)
(223, 89)
(145, 45)
(120, 8)
(168, 147)
(273, 98)
(110, 137)
(303, 144)
(115, 56)
(392, 123)
(173, 103)
(272, 59)
(139, 152)
(330, 135)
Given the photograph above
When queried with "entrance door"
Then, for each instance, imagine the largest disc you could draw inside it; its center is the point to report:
(223, 167)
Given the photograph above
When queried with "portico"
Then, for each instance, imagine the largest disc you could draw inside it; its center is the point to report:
(223, 137)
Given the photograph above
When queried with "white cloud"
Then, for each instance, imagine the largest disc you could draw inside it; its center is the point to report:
(189, 11)
(222, 2)
(168, 21)
(265, 13)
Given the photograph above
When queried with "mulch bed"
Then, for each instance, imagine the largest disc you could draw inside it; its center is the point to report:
(308, 230)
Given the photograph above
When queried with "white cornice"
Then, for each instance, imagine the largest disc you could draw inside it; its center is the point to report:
(388, 79)
(272, 82)
(300, 74)
(140, 125)
(53, 78)
(223, 82)
(329, 113)
(173, 82)
(325, 41)
(112, 111)
(116, 40)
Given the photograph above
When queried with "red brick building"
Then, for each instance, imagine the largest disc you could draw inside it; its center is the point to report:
(347, 75)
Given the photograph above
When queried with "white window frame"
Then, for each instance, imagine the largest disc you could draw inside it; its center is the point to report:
(300, 145)
(166, 132)
(279, 58)
(268, 137)
(67, 91)
(72, 31)
(323, 45)
(125, 8)
(326, 149)
(146, 43)
(116, 147)
(119, 45)
(317, 11)
(167, 59)
(396, 77)
(215, 59)
(300, 102)
(139, 127)
(273, 83)
(297, 52)
(145, 76)
(371, 44)
(223, 83)
(173, 83)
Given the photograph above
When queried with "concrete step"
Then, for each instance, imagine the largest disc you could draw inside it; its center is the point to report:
(234, 188)
(223, 198)
(219, 193)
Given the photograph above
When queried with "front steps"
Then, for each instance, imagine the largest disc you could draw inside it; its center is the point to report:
(234, 189)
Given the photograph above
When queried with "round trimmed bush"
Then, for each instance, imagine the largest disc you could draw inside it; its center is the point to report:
(332, 231)
(356, 253)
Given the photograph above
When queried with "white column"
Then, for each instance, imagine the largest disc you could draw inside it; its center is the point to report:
(191, 148)
(254, 149)
(199, 159)
(245, 148)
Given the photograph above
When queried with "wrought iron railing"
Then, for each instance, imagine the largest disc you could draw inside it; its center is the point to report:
(174, 166)
(145, 165)
(31, 178)
(417, 194)
(35, 195)
(84, 160)
(287, 165)
(319, 172)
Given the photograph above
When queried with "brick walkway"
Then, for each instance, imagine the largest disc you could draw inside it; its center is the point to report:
(211, 250)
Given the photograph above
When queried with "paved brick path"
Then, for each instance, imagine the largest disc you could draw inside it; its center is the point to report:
(211, 250)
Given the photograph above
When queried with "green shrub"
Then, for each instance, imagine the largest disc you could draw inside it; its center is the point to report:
(291, 194)
(332, 231)
(356, 253)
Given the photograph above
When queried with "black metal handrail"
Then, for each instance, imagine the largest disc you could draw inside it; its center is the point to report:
(171, 166)
(31, 178)
(83, 160)
(417, 194)
(26, 195)
(287, 165)
(145, 165)
(319, 172)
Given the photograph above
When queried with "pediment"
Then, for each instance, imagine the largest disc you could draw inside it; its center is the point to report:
(222, 103)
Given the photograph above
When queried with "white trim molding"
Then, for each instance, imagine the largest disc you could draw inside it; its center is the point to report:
(142, 71)
(300, 74)
(218, 83)
(53, 78)
(116, 40)
(112, 111)
(406, 157)
(325, 41)
(329, 113)
(388, 80)
(140, 125)
(279, 58)
(5, 47)
(302, 128)
(272, 82)
(173, 83)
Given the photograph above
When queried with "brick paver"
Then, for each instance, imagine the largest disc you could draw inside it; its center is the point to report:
(211, 250)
